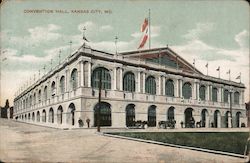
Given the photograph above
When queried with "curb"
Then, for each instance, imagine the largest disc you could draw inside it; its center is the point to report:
(178, 146)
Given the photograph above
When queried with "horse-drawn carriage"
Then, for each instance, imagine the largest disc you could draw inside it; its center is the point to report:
(165, 124)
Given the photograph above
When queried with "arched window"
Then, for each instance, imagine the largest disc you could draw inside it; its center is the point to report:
(169, 88)
(236, 97)
(71, 114)
(51, 115)
(44, 116)
(129, 82)
(150, 85)
(59, 114)
(238, 115)
(33, 116)
(225, 95)
(171, 113)
(38, 116)
(152, 116)
(187, 90)
(202, 92)
(73, 79)
(39, 96)
(105, 114)
(106, 79)
(34, 99)
(62, 84)
(53, 88)
(30, 104)
(45, 94)
(130, 115)
(214, 94)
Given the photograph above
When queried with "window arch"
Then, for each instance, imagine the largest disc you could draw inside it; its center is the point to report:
(236, 97)
(214, 94)
(73, 79)
(45, 94)
(226, 95)
(53, 88)
(105, 114)
(51, 115)
(34, 99)
(169, 88)
(187, 90)
(150, 85)
(38, 116)
(129, 82)
(59, 114)
(39, 96)
(106, 79)
(202, 92)
(152, 116)
(130, 115)
(44, 116)
(62, 84)
(170, 113)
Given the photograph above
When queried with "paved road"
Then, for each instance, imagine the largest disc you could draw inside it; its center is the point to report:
(20, 142)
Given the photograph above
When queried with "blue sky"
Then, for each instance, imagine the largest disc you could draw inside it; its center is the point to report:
(216, 32)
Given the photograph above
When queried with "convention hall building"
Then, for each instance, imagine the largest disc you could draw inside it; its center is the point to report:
(148, 85)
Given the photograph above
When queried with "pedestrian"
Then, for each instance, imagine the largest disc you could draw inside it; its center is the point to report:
(88, 121)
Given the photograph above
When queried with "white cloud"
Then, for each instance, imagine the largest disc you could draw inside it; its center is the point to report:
(37, 35)
(105, 28)
(199, 30)
(242, 39)
(237, 60)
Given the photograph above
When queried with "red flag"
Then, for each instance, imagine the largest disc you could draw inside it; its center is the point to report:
(144, 39)
(144, 25)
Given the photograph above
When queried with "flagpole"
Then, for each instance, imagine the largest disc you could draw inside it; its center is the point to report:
(149, 32)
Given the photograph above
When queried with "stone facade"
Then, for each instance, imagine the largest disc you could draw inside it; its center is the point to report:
(67, 94)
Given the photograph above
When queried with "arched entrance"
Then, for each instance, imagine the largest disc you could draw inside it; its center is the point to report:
(33, 116)
(204, 118)
(226, 119)
(130, 115)
(105, 114)
(189, 120)
(59, 114)
(238, 115)
(170, 114)
(44, 116)
(38, 116)
(217, 119)
(71, 114)
(29, 116)
(51, 115)
(152, 116)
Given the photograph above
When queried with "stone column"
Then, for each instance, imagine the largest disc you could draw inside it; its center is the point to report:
(89, 74)
(138, 87)
(159, 85)
(176, 88)
(163, 85)
(194, 94)
(143, 82)
(180, 87)
(81, 74)
(121, 83)
(197, 91)
(208, 93)
(115, 78)
(66, 80)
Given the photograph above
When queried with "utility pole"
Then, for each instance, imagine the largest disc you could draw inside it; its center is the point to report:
(99, 102)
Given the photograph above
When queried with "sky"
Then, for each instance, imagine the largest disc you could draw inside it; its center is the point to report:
(213, 32)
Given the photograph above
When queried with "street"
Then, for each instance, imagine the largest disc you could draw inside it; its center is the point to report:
(21, 142)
